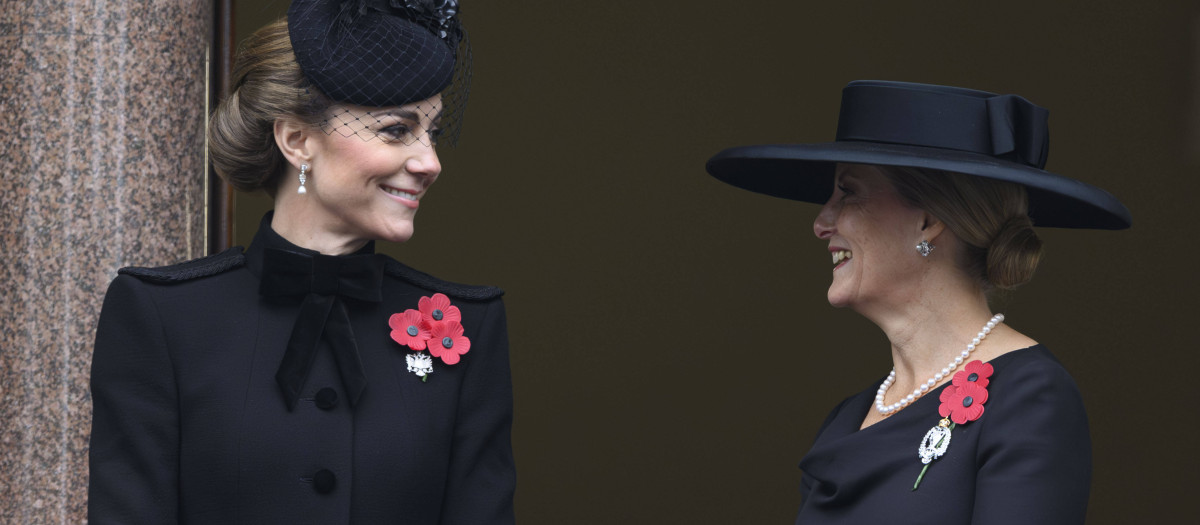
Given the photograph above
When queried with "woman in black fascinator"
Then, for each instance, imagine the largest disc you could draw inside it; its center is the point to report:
(308, 379)
(931, 196)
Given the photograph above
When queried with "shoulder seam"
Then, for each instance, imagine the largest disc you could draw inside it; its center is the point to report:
(461, 291)
(188, 270)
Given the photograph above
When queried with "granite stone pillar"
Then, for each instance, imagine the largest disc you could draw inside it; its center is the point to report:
(102, 108)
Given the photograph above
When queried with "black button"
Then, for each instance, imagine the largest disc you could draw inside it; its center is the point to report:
(326, 398)
(324, 481)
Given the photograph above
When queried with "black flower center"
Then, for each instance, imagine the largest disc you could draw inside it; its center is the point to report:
(966, 400)
(448, 342)
(437, 315)
(973, 377)
(412, 331)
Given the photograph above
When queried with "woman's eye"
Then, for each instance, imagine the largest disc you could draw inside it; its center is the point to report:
(396, 132)
(845, 190)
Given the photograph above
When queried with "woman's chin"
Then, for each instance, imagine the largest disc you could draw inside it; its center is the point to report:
(839, 304)
(397, 232)
(838, 299)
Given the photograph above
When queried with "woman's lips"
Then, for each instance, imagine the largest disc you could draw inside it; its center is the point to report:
(841, 257)
(406, 197)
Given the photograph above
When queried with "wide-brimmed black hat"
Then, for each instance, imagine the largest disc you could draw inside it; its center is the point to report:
(1003, 137)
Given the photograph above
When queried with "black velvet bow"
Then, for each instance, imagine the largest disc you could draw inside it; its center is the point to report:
(1018, 129)
(323, 280)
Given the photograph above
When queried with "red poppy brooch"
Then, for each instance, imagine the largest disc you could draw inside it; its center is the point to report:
(962, 402)
(435, 326)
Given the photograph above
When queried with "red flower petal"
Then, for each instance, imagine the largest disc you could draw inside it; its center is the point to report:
(979, 393)
(967, 404)
(948, 392)
(438, 309)
(983, 369)
(973, 412)
(404, 324)
(949, 399)
(447, 342)
(980, 370)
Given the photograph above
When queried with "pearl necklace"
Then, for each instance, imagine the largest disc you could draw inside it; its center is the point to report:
(920, 391)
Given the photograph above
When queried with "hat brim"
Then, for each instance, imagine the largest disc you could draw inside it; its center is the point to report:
(804, 172)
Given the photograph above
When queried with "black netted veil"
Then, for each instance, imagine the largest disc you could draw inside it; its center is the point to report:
(404, 63)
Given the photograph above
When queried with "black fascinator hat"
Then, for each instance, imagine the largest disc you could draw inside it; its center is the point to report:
(1002, 137)
(383, 53)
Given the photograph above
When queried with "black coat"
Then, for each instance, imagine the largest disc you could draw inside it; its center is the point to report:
(190, 425)
(1026, 460)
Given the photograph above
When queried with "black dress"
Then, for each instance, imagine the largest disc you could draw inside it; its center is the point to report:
(1026, 460)
(190, 424)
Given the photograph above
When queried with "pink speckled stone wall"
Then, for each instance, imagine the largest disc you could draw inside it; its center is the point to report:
(101, 166)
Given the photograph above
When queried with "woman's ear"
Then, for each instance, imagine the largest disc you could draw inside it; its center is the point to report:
(931, 227)
(295, 140)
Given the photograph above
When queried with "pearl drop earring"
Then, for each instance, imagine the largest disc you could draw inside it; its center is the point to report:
(303, 170)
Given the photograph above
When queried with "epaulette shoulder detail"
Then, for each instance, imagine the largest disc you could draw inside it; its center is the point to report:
(188, 270)
(459, 291)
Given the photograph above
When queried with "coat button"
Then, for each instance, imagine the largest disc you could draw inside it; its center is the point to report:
(326, 398)
(324, 481)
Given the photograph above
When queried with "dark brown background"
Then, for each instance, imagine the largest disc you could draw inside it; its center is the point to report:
(673, 353)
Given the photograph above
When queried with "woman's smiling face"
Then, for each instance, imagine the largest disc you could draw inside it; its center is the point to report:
(872, 234)
(370, 169)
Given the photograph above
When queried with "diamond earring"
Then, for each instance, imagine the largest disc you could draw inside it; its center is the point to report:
(924, 248)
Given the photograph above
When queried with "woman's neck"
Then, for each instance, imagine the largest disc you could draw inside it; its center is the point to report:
(923, 340)
(932, 328)
(292, 223)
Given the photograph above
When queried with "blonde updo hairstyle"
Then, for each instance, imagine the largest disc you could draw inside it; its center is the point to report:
(267, 85)
(990, 217)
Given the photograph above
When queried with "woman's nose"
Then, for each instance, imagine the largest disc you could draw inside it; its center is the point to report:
(823, 225)
(424, 162)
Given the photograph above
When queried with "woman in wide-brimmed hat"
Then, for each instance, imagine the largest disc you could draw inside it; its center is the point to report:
(931, 195)
(308, 379)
